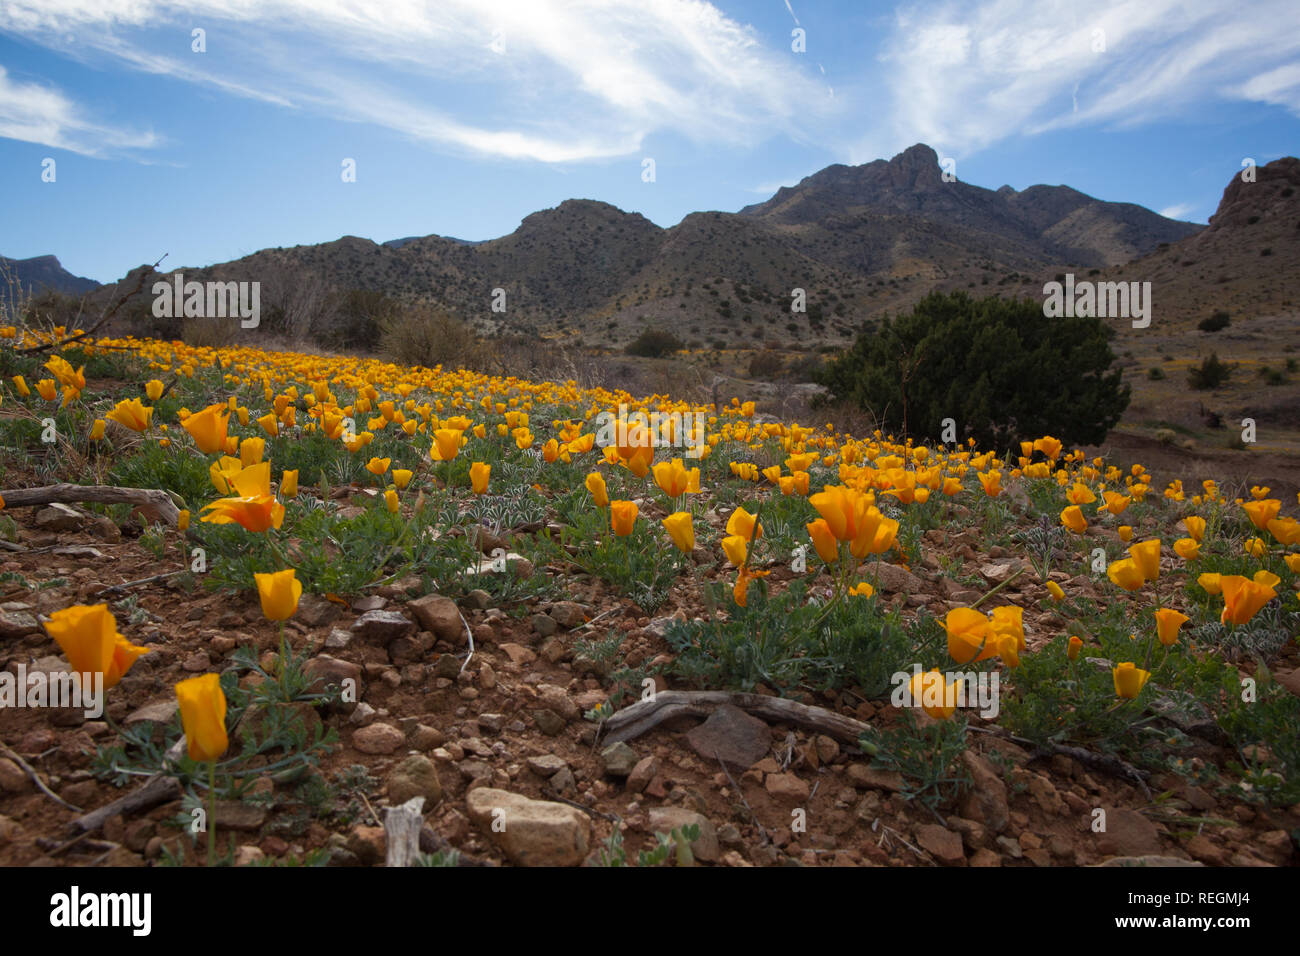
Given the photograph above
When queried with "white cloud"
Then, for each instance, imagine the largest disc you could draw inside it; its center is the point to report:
(970, 74)
(1178, 210)
(549, 80)
(40, 114)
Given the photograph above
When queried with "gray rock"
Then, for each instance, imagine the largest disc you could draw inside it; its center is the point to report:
(548, 722)
(618, 760)
(59, 517)
(477, 600)
(416, 776)
(16, 624)
(543, 624)
(568, 614)
(316, 611)
(159, 712)
(381, 626)
(546, 765)
(733, 736)
(238, 815)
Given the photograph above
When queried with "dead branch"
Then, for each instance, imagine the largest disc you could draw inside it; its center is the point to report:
(112, 310)
(632, 722)
(159, 788)
(154, 502)
(36, 779)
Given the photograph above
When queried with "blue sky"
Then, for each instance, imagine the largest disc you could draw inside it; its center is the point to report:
(464, 116)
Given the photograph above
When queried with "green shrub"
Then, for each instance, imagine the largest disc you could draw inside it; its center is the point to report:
(998, 367)
(1214, 323)
(1210, 374)
(654, 343)
(419, 335)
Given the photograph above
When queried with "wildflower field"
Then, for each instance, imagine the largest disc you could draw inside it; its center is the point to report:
(364, 584)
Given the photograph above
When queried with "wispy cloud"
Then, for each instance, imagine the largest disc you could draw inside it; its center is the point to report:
(1177, 210)
(41, 114)
(547, 80)
(966, 75)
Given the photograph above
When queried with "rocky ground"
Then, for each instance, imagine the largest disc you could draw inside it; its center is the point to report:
(504, 727)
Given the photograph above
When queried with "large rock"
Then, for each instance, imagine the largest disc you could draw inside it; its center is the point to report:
(531, 832)
(732, 736)
(438, 614)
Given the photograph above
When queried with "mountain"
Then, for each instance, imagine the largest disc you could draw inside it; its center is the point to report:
(1242, 263)
(45, 273)
(859, 240)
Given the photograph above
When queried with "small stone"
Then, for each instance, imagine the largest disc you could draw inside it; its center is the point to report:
(59, 517)
(548, 722)
(865, 777)
(416, 776)
(248, 855)
(986, 799)
(618, 760)
(197, 662)
(1128, 833)
(546, 765)
(338, 639)
(440, 615)
(568, 614)
(238, 815)
(492, 723)
(425, 738)
(159, 712)
(316, 611)
(12, 777)
(787, 787)
(942, 844)
(543, 624)
(325, 670)
(378, 739)
(16, 624)
(518, 654)
(553, 697)
(477, 600)
(564, 782)
(381, 626)
(666, 819)
(642, 774)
